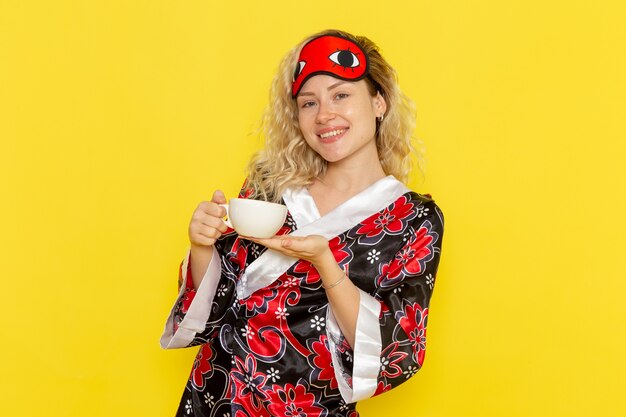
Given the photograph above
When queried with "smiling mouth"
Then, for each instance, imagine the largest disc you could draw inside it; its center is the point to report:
(332, 133)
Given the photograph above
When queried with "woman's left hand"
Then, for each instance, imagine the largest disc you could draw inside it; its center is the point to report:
(312, 248)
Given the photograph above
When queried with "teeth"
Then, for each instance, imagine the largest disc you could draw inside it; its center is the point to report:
(332, 133)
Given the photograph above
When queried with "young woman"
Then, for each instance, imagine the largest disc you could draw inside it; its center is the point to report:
(334, 308)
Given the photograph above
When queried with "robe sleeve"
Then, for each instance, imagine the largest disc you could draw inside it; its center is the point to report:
(390, 332)
(196, 313)
(192, 307)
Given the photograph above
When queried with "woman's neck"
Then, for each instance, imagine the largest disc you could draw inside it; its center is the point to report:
(351, 180)
(339, 185)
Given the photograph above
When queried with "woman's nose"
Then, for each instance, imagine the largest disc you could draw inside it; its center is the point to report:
(324, 114)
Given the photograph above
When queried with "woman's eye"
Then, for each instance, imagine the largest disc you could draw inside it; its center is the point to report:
(308, 104)
(341, 96)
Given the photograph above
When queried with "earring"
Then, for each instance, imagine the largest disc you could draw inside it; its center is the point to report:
(380, 118)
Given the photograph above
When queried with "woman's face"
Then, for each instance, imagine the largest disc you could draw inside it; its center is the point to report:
(338, 118)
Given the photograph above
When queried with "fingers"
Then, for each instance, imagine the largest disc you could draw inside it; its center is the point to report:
(211, 208)
(203, 235)
(260, 241)
(207, 223)
(214, 223)
(202, 240)
(311, 248)
(297, 244)
(271, 242)
(219, 197)
(202, 222)
(289, 245)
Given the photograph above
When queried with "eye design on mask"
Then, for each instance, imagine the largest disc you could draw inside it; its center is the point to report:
(345, 58)
(299, 67)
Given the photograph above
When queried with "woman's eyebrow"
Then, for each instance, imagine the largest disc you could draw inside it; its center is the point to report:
(337, 84)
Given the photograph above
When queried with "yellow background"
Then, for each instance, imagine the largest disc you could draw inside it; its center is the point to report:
(118, 117)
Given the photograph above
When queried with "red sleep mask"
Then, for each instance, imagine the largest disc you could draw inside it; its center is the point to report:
(330, 55)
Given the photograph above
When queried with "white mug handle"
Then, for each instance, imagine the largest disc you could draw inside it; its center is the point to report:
(227, 218)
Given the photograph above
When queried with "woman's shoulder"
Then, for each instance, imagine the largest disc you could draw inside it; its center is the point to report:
(421, 198)
(425, 205)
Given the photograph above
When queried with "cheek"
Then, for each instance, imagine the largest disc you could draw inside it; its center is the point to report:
(303, 123)
(306, 130)
(368, 127)
(311, 144)
(365, 118)
(370, 130)
(365, 110)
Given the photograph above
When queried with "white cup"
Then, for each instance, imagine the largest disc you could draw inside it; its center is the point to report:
(255, 218)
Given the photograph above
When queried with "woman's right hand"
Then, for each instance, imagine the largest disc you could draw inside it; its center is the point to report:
(205, 227)
(207, 223)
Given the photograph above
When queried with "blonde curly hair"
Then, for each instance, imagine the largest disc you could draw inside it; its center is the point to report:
(288, 161)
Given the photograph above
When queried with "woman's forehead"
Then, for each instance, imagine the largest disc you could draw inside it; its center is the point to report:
(326, 82)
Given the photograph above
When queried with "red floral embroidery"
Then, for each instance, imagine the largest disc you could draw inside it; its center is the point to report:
(419, 250)
(340, 250)
(413, 322)
(248, 381)
(389, 361)
(240, 252)
(412, 259)
(382, 387)
(293, 401)
(391, 220)
(202, 365)
(311, 275)
(322, 362)
(188, 297)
